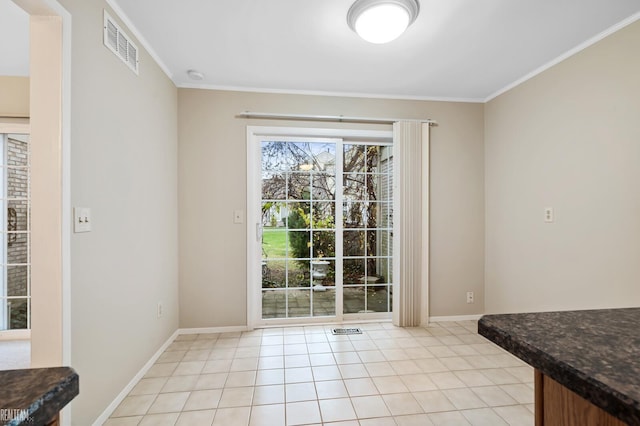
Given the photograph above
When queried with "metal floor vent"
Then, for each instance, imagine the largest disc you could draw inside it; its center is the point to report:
(346, 331)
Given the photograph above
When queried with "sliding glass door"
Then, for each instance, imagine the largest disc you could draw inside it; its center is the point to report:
(323, 243)
(298, 218)
(367, 228)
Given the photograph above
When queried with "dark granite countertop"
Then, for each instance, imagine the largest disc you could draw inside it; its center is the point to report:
(595, 353)
(34, 396)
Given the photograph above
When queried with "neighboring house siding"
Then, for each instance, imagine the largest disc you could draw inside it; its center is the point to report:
(386, 210)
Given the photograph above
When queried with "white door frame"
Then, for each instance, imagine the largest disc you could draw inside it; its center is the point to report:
(254, 135)
(41, 9)
(6, 128)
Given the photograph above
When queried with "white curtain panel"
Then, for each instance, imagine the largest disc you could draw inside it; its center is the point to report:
(411, 223)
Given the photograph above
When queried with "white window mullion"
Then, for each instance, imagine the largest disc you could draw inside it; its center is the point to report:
(339, 279)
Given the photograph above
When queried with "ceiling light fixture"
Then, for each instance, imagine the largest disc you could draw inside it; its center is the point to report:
(195, 75)
(381, 21)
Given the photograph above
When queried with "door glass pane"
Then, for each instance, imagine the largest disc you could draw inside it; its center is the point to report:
(378, 298)
(353, 243)
(324, 186)
(353, 299)
(324, 214)
(354, 187)
(298, 240)
(354, 270)
(273, 273)
(324, 244)
(299, 303)
(274, 214)
(274, 303)
(354, 160)
(324, 303)
(299, 186)
(274, 243)
(298, 276)
(274, 186)
(367, 180)
(302, 188)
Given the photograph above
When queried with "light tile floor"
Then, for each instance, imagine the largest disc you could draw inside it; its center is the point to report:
(442, 375)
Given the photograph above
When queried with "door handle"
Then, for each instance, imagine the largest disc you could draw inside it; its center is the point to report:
(258, 232)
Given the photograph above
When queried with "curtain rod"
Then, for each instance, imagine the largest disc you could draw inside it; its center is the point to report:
(331, 118)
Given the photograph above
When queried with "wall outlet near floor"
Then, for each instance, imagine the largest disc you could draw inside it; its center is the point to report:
(159, 309)
(469, 297)
(548, 214)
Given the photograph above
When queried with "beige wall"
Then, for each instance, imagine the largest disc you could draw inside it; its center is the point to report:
(14, 101)
(123, 167)
(567, 139)
(212, 183)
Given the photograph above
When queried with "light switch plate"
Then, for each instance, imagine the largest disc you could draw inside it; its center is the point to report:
(238, 216)
(81, 219)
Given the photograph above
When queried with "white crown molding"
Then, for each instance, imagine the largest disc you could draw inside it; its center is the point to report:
(138, 35)
(326, 93)
(582, 46)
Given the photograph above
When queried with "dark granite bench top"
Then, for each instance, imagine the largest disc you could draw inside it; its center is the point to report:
(595, 353)
(34, 396)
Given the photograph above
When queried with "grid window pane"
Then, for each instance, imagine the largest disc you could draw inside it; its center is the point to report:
(18, 313)
(15, 289)
(17, 281)
(304, 189)
(298, 186)
(298, 303)
(17, 248)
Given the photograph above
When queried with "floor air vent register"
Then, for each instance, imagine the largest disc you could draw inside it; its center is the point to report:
(341, 331)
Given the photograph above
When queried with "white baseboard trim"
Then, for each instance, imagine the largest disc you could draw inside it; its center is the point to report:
(118, 399)
(15, 334)
(456, 318)
(206, 330)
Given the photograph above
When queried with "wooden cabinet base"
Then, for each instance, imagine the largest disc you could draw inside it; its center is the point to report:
(55, 421)
(555, 405)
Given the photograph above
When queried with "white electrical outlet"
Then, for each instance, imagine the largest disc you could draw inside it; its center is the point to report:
(159, 309)
(548, 214)
(469, 297)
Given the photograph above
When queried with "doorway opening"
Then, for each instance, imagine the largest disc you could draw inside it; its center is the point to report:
(322, 204)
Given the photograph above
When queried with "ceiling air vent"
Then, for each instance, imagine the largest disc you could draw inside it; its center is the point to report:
(120, 43)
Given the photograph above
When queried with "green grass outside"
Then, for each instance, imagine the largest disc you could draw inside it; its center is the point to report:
(274, 242)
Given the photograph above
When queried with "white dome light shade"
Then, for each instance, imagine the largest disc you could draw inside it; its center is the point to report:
(381, 21)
